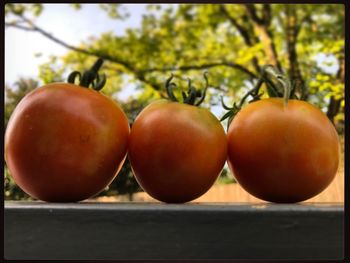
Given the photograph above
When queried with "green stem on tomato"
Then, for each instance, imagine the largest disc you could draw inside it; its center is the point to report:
(168, 86)
(192, 93)
(287, 89)
(275, 82)
(268, 75)
(202, 95)
(273, 75)
(89, 77)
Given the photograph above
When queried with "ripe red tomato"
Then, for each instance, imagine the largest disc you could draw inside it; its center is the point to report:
(65, 143)
(283, 153)
(176, 150)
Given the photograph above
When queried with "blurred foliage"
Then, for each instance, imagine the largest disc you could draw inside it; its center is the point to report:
(225, 177)
(51, 72)
(124, 184)
(232, 42)
(13, 96)
(11, 190)
(20, 9)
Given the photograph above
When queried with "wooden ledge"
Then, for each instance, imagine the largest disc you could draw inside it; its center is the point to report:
(104, 231)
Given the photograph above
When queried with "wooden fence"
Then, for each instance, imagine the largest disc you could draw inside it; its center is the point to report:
(235, 193)
(334, 193)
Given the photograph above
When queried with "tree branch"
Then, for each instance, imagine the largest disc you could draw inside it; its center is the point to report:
(19, 26)
(248, 39)
(243, 32)
(267, 17)
(95, 53)
(306, 19)
(80, 50)
(254, 16)
(292, 30)
(334, 106)
(139, 74)
(265, 35)
(204, 66)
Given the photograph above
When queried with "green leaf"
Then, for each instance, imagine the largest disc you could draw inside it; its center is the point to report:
(226, 115)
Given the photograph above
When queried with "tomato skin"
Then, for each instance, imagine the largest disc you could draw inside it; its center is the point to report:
(65, 143)
(283, 154)
(176, 151)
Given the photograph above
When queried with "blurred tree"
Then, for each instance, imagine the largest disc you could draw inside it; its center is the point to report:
(14, 95)
(12, 98)
(233, 41)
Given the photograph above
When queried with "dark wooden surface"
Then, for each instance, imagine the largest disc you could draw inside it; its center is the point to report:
(37, 230)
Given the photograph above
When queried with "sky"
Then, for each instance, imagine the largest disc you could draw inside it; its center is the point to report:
(65, 23)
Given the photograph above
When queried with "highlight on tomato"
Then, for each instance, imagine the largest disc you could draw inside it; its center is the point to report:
(177, 149)
(66, 142)
(280, 149)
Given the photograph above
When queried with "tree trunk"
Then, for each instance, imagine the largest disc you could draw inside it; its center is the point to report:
(292, 30)
(334, 105)
(265, 35)
(245, 30)
(269, 47)
(333, 108)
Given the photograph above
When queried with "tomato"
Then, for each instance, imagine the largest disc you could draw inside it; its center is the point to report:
(65, 143)
(282, 152)
(176, 150)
